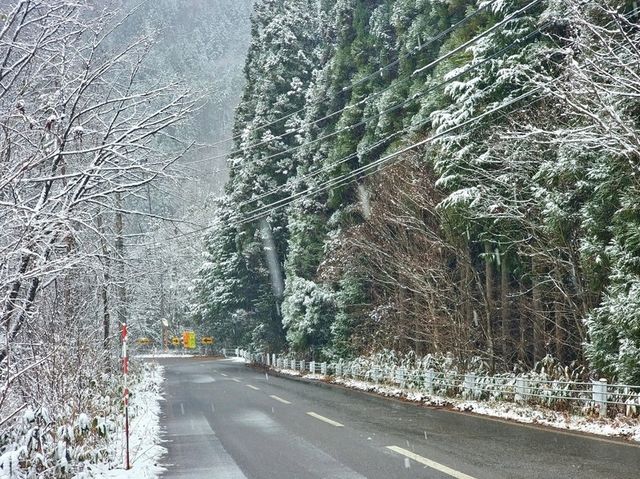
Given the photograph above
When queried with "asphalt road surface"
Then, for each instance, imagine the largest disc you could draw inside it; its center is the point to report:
(224, 420)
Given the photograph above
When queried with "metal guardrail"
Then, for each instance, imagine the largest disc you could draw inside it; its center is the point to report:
(596, 397)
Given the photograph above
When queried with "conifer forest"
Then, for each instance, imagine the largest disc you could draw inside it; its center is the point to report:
(451, 177)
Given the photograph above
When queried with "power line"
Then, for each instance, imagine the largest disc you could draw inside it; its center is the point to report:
(371, 75)
(399, 105)
(343, 179)
(432, 64)
(368, 169)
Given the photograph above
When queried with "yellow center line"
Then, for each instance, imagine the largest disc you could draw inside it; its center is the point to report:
(429, 463)
(253, 387)
(325, 419)
(283, 401)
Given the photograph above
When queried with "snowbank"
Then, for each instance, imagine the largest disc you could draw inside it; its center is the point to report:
(237, 359)
(163, 355)
(145, 448)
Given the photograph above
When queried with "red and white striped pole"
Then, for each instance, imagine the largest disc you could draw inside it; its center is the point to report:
(125, 372)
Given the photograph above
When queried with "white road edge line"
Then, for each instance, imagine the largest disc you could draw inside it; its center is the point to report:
(325, 419)
(283, 401)
(223, 374)
(429, 463)
(236, 380)
(253, 387)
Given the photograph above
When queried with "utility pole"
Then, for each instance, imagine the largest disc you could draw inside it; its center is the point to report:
(165, 339)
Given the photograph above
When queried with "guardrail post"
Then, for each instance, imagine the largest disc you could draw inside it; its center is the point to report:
(522, 388)
(469, 384)
(375, 374)
(302, 365)
(429, 376)
(400, 377)
(323, 368)
(312, 367)
(339, 369)
(599, 390)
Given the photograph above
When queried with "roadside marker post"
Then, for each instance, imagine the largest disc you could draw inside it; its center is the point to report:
(599, 389)
(125, 373)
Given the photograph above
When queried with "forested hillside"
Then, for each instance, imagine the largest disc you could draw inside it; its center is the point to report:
(441, 176)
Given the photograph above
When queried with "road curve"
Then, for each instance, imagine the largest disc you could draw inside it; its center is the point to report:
(224, 420)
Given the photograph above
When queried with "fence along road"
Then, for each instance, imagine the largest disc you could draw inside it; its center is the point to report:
(579, 397)
(225, 420)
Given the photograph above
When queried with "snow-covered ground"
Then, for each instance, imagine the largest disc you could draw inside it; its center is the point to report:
(163, 355)
(237, 359)
(621, 426)
(145, 448)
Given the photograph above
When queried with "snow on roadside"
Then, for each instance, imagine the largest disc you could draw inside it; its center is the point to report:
(237, 359)
(289, 372)
(163, 355)
(144, 443)
(618, 427)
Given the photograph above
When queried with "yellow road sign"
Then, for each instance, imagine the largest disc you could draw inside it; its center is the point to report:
(175, 341)
(207, 340)
(189, 339)
(143, 341)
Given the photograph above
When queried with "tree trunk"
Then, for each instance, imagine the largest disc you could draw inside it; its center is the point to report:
(538, 316)
(466, 283)
(521, 323)
(489, 302)
(104, 287)
(505, 309)
(121, 289)
(559, 329)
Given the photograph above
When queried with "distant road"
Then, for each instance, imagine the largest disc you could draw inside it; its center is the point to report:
(224, 420)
